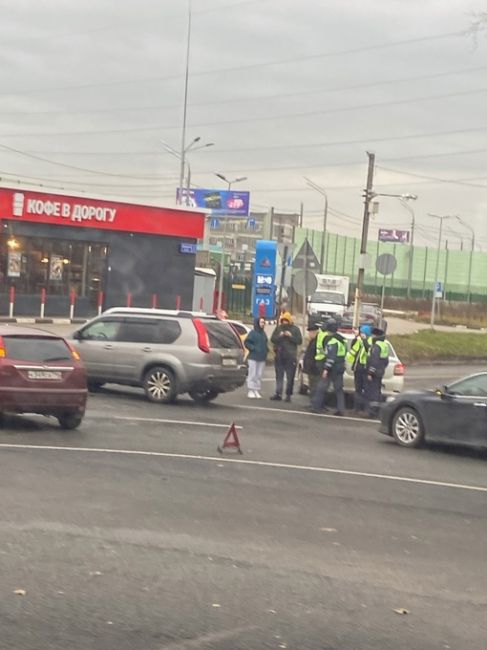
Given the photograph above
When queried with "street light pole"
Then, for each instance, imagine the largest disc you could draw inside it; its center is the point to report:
(469, 285)
(322, 191)
(222, 262)
(185, 108)
(437, 267)
(404, 202)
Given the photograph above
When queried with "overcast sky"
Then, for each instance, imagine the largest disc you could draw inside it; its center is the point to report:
(283, 89)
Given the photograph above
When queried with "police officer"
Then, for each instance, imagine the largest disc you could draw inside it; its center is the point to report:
(330, 353)
(310, 366)
(357, 358)
(377, 362)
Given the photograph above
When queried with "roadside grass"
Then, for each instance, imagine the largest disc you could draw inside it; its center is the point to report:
(431, 345)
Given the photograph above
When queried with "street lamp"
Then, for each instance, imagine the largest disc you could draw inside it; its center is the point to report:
(182, 158)
(322, 191)
(222, 263)
(466, 225)
(435, 280)
(403, 199)
(230, 183)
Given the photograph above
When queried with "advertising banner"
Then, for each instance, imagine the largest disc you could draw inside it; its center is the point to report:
(56, 267)
(264, 279)
(397, 236)
(13, 264)
(62, 210)
(218, 202)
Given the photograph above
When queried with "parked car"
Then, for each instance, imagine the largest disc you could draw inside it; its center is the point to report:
(165, 352)
(370, 314)
(242, 330)
(456, 413)
(41, 373)
(392, 383)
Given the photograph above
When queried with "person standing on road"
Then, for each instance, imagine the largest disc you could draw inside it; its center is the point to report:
(310, 365)
(285, 338)
(357, 358)
(377, 362)
(331, 351)
(256, 344)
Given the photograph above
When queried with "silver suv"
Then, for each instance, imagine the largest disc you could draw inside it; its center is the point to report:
(165, 352)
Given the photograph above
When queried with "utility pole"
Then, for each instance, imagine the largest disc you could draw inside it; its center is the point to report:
(363, 244)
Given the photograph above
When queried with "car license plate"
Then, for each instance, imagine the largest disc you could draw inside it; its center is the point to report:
(43, 374)
(229, 362)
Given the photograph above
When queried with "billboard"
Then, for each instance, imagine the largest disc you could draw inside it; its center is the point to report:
(395, 236)
(222, 202)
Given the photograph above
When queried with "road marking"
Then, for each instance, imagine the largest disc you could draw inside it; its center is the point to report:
(257, 463)
(94, 414)
(319, 415)
(213, 637)
(192, 422)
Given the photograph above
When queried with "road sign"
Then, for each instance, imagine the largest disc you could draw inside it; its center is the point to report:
(386, 264)
(304, 282)
(438, 289)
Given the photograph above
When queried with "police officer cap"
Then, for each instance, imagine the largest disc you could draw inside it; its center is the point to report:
(331, 325)
(313, 327)
(376, 331)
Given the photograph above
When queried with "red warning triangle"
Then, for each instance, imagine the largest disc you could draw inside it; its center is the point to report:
(231, 440)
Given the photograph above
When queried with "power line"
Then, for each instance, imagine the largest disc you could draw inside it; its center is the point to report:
(250, 66)
(246, 98)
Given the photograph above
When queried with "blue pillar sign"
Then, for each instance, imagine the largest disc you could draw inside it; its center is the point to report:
(264, 279)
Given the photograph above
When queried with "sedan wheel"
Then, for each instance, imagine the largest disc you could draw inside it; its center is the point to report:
(203, 396)
(160, 385)
(407, 428)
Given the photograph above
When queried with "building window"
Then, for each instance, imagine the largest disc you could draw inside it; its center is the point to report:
(34, 263)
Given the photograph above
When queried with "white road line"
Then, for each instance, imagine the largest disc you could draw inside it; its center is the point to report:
(192, 422)
(308, 413)
(257, 463)
(235, 406)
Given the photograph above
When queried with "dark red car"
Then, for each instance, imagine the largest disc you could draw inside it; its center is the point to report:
(41, 373)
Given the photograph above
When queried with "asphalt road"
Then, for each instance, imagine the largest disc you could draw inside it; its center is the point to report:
(133, 532)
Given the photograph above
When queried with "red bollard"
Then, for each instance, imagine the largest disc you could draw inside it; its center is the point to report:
(43, 302)
(178, 302)
(129, 300)
(100, 302)
(154, 301)
(11, 301)
(72, 302)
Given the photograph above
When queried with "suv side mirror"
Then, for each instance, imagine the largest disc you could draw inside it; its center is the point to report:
(77, 335)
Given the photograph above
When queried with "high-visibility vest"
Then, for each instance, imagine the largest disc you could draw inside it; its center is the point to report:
(320, 347)
(341, 347)
(359, 351)
(384, 349)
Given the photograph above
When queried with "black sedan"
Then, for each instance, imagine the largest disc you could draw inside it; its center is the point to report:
(454, 414)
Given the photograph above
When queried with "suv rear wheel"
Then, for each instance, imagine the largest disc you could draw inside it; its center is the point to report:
(203, 396)
(159, 385)
(70, 420)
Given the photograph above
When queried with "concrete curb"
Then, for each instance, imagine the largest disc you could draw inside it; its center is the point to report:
(43, 321)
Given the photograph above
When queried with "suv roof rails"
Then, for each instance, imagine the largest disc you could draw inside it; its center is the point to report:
(145, 311)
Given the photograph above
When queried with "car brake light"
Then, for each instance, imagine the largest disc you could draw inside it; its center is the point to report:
(399, 369)
(2, 348)
(203, 340)
(74, 353)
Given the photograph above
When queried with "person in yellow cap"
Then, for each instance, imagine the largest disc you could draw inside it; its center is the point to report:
(286, 338)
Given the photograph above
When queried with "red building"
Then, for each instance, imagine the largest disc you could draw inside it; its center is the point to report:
(92, 248)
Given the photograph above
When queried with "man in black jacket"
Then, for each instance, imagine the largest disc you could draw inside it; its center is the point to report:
(286, 338)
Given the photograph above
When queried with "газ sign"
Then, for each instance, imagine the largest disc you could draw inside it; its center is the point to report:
(95, 213)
